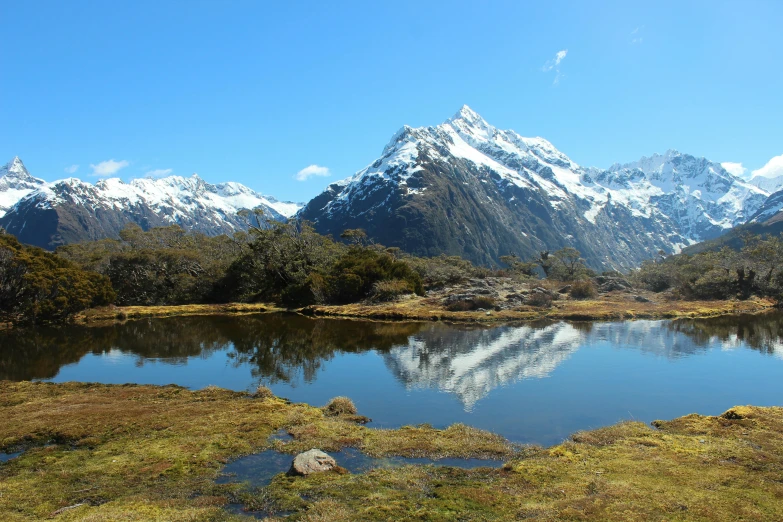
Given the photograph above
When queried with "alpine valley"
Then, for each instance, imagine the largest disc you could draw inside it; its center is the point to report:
(460, 188)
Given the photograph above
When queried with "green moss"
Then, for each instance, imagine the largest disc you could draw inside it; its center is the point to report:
(96, 452)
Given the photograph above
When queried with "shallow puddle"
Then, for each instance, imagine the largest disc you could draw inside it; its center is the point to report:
(259, 469)
(5, 457)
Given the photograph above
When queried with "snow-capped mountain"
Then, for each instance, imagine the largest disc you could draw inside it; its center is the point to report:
(71, 210)
(15, 183)
(770, 211)
(467, 188)
(770, 176)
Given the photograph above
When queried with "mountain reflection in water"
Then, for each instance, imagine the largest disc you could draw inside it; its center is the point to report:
(535, 381)
(466, 360)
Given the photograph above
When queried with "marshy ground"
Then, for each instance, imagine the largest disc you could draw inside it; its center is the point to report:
(101, 452)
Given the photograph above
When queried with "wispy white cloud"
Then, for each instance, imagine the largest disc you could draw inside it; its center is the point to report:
(72, 169)
(108, 167)
(559, 57)
(636, 37)
(312, 170)
(554, 64)
(158, 173)
(734, 168)
(773, 168)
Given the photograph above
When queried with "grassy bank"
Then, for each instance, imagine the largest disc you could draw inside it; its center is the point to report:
(96, 452)
(121, 313)
(608, 307)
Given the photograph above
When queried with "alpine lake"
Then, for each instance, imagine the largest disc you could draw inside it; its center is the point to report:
(531, 383)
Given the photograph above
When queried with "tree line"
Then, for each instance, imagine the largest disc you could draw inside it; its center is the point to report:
(291, 264)
(754, 269)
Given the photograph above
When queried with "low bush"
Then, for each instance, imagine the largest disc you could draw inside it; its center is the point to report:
(540, 300)
(484, 302)
(390, 290)
(480, 302)
(340, 406)
(354, 275)
(443, 270)
(262, 392)
(583, 290)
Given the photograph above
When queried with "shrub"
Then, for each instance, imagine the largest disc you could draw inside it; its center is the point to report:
(390, 290)
(353, 276)
(445, 270)
(484, 302)
(656, 277)
(583, 290)
(37, 286)
(262, 392)
(340, 406)
(476, 303)
(540, 300)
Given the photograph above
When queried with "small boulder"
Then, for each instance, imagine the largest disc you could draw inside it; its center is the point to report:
(311, 461)
(640, 299)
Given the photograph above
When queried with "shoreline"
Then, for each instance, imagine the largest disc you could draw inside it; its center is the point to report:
(103, 451)
(417, 309)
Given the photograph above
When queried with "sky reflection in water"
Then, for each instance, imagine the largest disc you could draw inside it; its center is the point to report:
(532, 383)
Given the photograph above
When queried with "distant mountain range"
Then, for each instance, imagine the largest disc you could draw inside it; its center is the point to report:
(767, 221)
(71, 210)
(460, 188)
(467, 188)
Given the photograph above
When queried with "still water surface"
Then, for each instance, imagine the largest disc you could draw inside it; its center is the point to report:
(532, 383)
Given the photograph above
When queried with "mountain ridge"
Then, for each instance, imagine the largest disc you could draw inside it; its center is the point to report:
(526, 196)
(463, 187)
(71, 210)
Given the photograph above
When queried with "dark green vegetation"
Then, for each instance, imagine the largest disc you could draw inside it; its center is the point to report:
(96, 452)
(756, 268)
(292, 265)
(38, 286)
(286, 263)
(297, 266)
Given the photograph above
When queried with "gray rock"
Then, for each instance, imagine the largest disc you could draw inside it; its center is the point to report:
(311, 461)
(612, 284)
(641, 299)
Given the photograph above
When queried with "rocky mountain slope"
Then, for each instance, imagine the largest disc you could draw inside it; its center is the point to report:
(467, 188)
(15, 183)
(767, 221)
(71, 210)
(771, 211)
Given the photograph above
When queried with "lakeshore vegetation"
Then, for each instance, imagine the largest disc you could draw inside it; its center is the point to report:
(292, 266)
(108, 452)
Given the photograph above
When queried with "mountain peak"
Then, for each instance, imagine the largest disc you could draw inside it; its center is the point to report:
(14, 167)
(469, 117)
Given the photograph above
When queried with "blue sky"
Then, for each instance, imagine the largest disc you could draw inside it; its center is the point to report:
(256, 92)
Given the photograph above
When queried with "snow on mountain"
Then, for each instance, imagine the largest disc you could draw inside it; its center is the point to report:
(173, 196)
(770, 176)
(771, 208)
(699, 195)
(48, 214)
(532, 196)
(15, 183)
